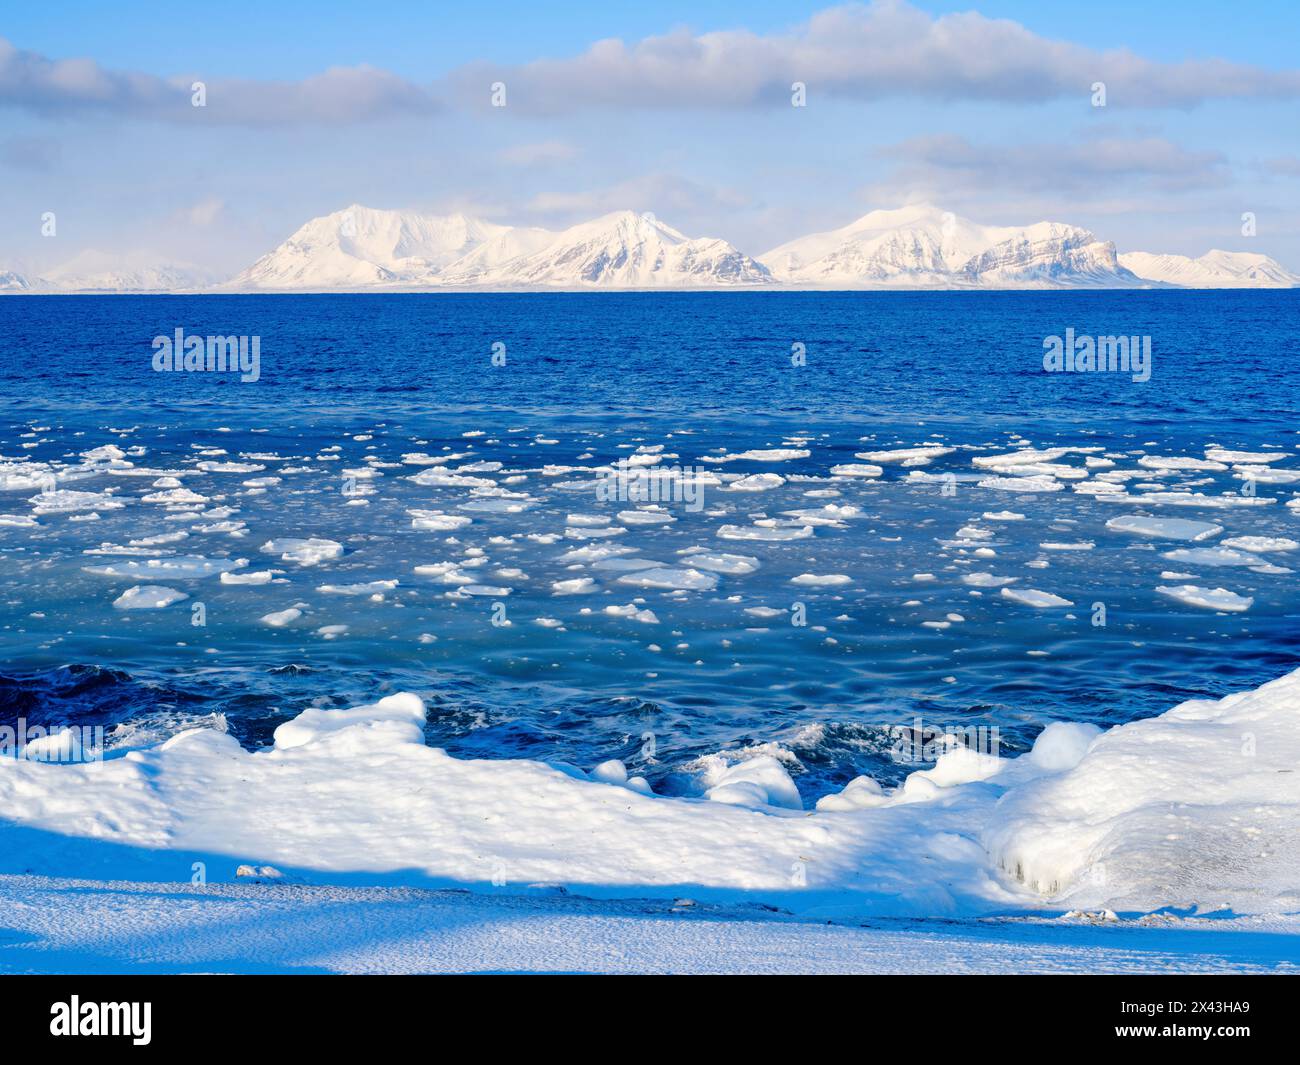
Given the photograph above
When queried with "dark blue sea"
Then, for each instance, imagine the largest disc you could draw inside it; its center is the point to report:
(391, 507)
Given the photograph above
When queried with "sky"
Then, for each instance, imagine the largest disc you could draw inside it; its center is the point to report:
(985, 108)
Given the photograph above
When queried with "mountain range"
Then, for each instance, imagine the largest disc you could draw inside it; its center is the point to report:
(917, 246)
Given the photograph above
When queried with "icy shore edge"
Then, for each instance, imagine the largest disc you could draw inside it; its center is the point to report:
(1196, 811)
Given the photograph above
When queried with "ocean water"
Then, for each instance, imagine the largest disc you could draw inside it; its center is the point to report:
(769, 603)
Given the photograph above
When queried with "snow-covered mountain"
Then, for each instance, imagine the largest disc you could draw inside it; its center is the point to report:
(359, 247)
(1214, 269)
(13, 282)
(619, 250)
(95, 271)
(923, 246)
(918, 246)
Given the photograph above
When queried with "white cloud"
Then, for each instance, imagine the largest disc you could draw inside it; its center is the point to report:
(945, 164)
(883, 49)
(57, 87)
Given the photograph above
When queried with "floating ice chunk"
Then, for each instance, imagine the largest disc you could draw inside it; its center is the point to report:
(1261, 543)
(306, 552)
(760, 455)
(834, 514)
(652, 515)
(446, 572)
(595, 552)
(434, 477)
(907, 455)
(731, 565)
(490, 590)
(1080, 545)
(500, 505)
(622, 565)
(419, 458)
(105, 453)
(1164, 528)
(631, 610)
(757, 482)
(1210, 598)
(1212, 556)
(177, 567)
(1018, 458)
(856, 469)
(1113, 492)
(281, 618)
(368, 588)
(1042, 469)
(1260, 458)
(757, 532)
(68, 501)
(230, 467)
(587, 520)
(575, 586)
(671, 578)
(764, 612)
(148, 597)
(175, 497)
(987, 580)
(329, 632)
(1038, 483)
(1003, 515)
(1033, 597)
(1195, 499)
(829, 580)
(1265, 475)
(590, 533)
(1178, 462)
(437, 521)
(259, 576)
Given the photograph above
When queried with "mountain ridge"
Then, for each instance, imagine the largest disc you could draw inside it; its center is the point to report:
(917, 246)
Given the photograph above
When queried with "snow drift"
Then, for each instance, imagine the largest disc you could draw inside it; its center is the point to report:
(1198, 809)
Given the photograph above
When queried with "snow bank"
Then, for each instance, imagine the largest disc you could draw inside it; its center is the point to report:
(1195, 808)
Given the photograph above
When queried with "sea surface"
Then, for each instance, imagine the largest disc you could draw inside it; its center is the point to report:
(771, 603)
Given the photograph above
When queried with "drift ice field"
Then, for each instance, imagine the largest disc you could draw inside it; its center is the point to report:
(614, 640)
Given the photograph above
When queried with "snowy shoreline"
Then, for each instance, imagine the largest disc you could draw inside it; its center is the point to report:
(1192, 814)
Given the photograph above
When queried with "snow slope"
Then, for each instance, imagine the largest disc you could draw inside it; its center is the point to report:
(95, 271)
(1214, 269)
(361, 246)
(623, 250)
(924, 246)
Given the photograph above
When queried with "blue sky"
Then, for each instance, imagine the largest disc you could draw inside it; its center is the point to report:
(689, 118)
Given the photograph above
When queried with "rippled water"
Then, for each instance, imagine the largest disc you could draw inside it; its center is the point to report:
(351, 385)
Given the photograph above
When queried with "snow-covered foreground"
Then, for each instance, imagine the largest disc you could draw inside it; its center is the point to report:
(94, 926)
(346, 827)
